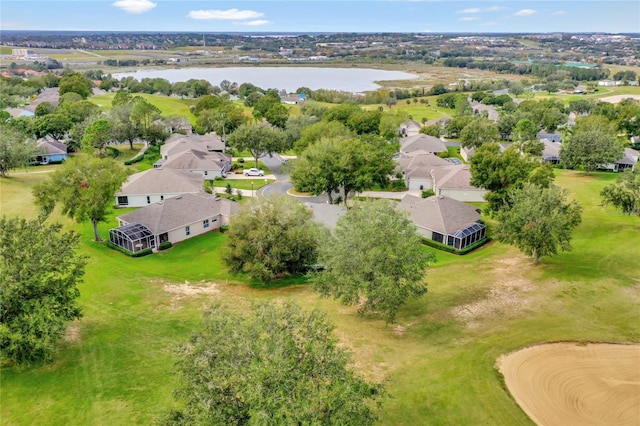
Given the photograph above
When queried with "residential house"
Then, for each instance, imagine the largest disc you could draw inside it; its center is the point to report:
(416, 168)
(172, 220)
(628, 161)
(454, 181)
(551, 151)
(444, 220)
(553, 137)
(421, 142)
(489, 110)
(207, 164)
(155, 185)
(51, 151)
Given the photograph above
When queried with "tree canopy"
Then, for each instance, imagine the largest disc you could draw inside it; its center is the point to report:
(40, 272)
(258, 139)
(84, 187)
(624, 194)
(271, 237)
(539, 221)
(498, 172)
(373, 259)
(275, 365)
(15, 150)
(590, 149)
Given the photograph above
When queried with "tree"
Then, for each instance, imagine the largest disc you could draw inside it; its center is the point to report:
(479, 132)
(316, 131)
(80, 110)
(97, 136)
(624, 194)
(84, 187)
(540, 220)
(526, 139)
(45, 108)
(271, 237)
(258, 139)
(76, 83)
(277, 115)
(121, 97)
(40, 271)
(590, 149)
(15, 150)
(55, 125)
(143, 115)
(276, 365)
(122, 128)
(265, 102)
(316, 170)
(498, 172)
(373, 258)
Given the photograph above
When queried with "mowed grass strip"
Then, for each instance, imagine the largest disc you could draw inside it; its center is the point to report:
(167, 105)
(438, 360)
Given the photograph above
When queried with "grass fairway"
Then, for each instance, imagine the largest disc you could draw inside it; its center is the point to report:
(168, 106)
(438, 360)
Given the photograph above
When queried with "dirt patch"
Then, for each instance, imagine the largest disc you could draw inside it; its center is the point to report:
(181, 291)
(617, 98)
(72, 334)
(571, 384)
(507, 298)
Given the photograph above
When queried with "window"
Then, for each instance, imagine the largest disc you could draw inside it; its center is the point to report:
(148, 200)
(205, 223)
(187, 230)
(162, 198)
(206, 173)
(215, 219)
(123, 201)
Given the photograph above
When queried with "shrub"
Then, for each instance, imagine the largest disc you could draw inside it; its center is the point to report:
(427, 193)
(165, 245)
(241, 160)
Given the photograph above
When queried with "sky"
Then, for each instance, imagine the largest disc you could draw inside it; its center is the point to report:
(416, 16)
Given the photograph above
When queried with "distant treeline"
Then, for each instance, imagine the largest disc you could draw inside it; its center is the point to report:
(538, 70)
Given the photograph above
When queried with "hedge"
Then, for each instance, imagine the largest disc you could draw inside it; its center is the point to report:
(127, 252)
(449, 249)
(165, 245)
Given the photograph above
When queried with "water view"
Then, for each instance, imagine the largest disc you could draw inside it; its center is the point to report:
(288, 78)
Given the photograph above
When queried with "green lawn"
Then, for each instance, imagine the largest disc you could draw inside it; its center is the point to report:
(438, 360)
(168, 106)
(247, 184)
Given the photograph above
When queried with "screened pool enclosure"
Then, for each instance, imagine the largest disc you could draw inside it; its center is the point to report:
(467, 236)
(134, 237)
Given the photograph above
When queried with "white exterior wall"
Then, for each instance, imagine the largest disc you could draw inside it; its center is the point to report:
(141, 200)
(427, 233)
(414, 183)
(472, 195)
(196, 228)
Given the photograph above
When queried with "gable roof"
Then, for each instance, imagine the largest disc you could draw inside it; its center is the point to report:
(551, 150)
(630, 157)
(420, 163)
(439, 213)
(193, 159)
(180, 211)
(162, 181)
(178, 143)
(456, 176)
(53, 146)
(421, 142)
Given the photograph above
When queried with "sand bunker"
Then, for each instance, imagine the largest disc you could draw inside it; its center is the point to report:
(569, 384)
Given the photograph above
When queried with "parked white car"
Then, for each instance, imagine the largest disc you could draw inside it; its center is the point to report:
(253, 172)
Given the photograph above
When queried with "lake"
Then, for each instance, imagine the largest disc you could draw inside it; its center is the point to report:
(288, 78)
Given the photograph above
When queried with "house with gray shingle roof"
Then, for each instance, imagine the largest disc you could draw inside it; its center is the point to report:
(410, 128)
(454, 181)
(206, 164)
(416, 168)
(171, 220)
(151, 186)
(421, 142)
(444, 220)
(51, 151)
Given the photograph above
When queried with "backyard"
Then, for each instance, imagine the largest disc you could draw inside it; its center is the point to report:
(438, 360)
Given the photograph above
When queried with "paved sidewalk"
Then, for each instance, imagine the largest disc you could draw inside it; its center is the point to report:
(390, 195)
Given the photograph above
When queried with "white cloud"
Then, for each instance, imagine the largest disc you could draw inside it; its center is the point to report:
(494, 9)
(479, 10)
(255, 23)
(134, 6)
(471, 10)
(560, 12)
(489, 24)
(469, 18)
(525, 12)
(233, 14)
